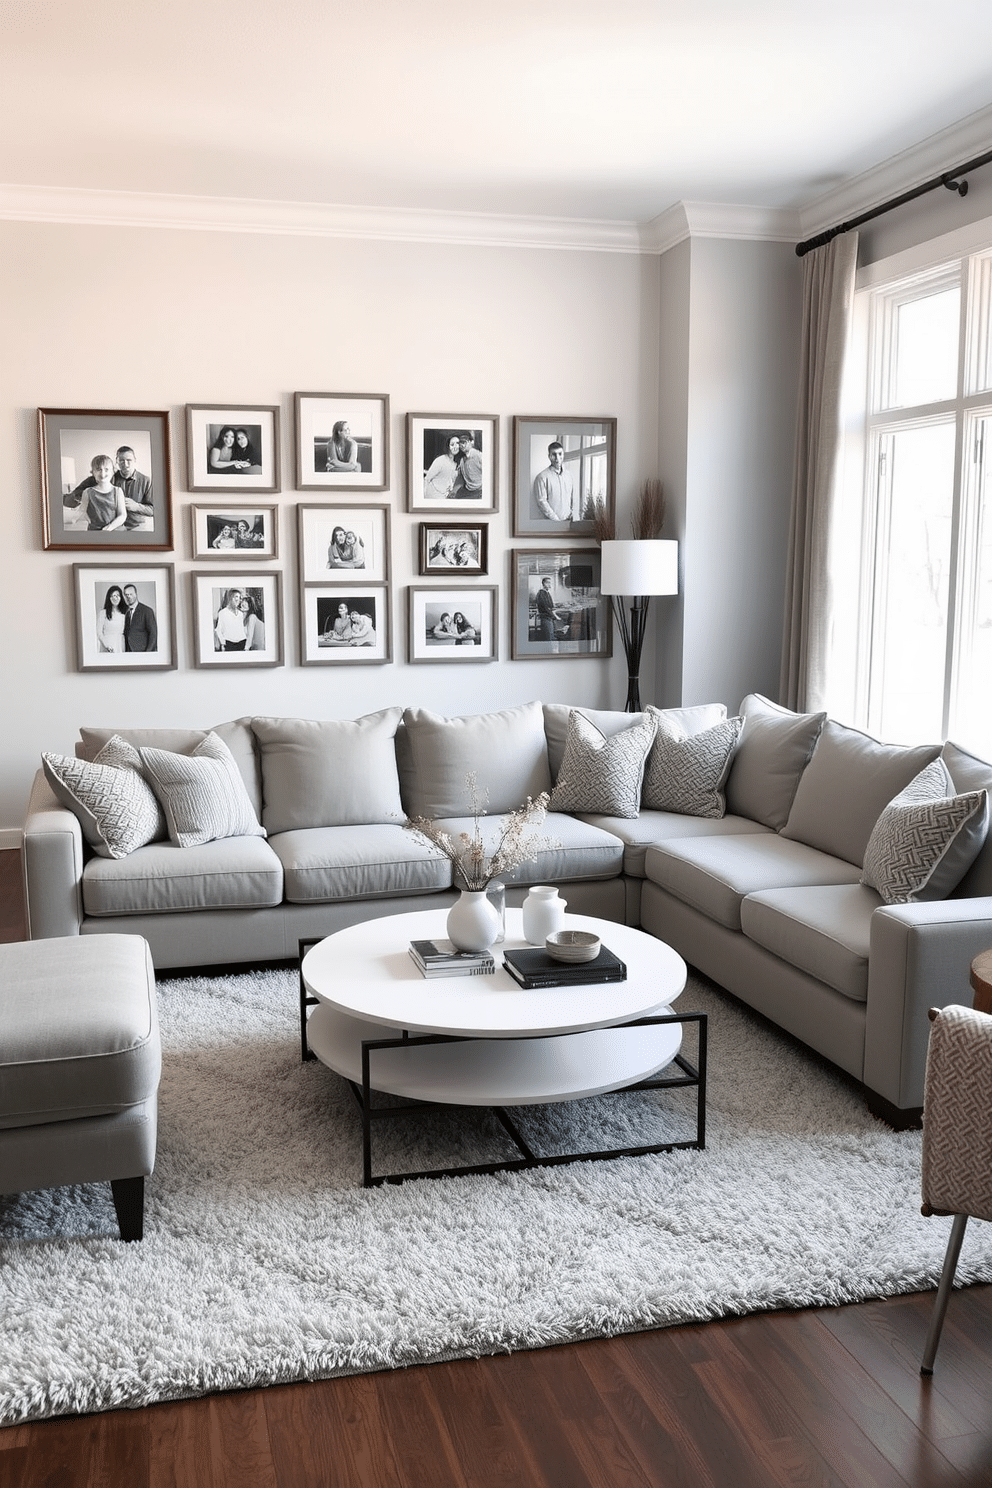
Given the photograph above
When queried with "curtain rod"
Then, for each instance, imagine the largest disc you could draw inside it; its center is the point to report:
(950, 179)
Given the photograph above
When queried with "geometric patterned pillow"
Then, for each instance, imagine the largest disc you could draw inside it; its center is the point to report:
(687, 773)
(116, 807)
(203, 793)
(599, 774)
(926, 839)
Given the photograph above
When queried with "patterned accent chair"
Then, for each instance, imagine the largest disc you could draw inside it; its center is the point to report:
(957, 1137)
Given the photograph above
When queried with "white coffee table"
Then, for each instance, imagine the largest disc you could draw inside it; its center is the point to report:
(486, 1041)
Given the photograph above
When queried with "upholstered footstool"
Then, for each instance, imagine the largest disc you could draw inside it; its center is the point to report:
(80, 1060)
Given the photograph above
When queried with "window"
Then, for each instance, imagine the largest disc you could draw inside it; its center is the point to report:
(922, 590)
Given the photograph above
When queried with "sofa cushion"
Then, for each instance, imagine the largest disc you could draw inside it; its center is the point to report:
(968, 773)
(774, 750)
(926, 839)
(116, 807)
(600, 773)
(649, 827)
(237, 735)
(714, 874)
(506, 752)
(608, 721)
(686, 773)
(825, 931)
(579, 850)
(847, 784)
(202, 794)
(233, 873)
(335, 773)
(324, 865)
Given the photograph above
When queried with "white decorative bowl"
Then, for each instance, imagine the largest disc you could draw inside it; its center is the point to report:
(573, 945)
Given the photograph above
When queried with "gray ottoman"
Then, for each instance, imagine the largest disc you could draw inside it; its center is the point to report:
(80, 1061)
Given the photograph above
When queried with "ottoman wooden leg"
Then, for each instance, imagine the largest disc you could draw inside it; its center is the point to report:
(129, 1201)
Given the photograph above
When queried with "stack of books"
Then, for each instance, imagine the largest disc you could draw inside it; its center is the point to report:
(439, 958)
(540, 969)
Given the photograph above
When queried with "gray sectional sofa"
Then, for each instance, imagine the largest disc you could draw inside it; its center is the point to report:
(765, 896)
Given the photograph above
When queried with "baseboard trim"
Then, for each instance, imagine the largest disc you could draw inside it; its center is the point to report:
(11, 839)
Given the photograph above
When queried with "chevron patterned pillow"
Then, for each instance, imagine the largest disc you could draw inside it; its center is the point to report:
(687, 773)
(599, 774)
(926, 839)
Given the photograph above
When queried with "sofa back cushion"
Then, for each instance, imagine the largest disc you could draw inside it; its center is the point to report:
(926, 839)
(686, 721)
(329, 773)
(237, 735)
(506, 751)
(846, 786)
(774, 749)
(970, 773)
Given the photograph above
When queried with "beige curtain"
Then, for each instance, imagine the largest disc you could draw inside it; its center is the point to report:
(828, 296)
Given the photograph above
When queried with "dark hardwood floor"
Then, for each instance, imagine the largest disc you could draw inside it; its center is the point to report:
(824, 1399)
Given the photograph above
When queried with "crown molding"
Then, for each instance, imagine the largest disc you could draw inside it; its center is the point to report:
(719, 220)
(932, 157)
(80, 205)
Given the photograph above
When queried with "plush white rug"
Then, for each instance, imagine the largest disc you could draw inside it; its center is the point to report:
(264, 1260)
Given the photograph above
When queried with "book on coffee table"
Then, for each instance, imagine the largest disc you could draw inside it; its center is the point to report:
(436, 958)
(537, 968)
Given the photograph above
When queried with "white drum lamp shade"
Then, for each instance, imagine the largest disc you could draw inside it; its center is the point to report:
(640, 566)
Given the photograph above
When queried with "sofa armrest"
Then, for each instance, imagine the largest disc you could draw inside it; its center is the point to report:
(54, 855)
(920, 958)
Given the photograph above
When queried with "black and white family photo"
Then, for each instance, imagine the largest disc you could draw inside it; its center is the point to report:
(342, 440)
(453, 624)
(232, 449)
(452, 462)
(105, 484)
(563, 473)
(124, 617)
(340, 626)
(238, 621)
(456, 547)
(234, 531)
(338, 541)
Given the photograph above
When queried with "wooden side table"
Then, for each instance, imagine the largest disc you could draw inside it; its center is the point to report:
(981, 981)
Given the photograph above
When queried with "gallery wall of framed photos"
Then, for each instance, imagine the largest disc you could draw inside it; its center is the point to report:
(109, 487)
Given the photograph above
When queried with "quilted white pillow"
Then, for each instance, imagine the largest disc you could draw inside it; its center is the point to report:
(203, 794)
(926, 839)
(116, 806)
(687, 773)
(599, 774)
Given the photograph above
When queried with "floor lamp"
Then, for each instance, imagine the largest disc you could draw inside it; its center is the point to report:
(637, 567)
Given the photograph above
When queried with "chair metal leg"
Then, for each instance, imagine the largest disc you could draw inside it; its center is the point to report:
(943, 1292)
(129, 1202)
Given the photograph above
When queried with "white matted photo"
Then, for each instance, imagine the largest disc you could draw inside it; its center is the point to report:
(345, 626)
(338, 543)
(453, 624)
(342, 441)
(237, 619)
(558, 606)
(452, 462)
(232, 448)
(125, 617)
(235, 531)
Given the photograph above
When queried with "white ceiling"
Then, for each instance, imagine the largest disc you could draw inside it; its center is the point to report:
(549, 108)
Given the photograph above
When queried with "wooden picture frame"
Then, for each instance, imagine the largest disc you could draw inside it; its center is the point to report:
(434, 632)
(554, 494)
(113, 636)
(452, 550)
(232, 447)
(137, 445)
(345, 626)
(238, 533)
(576, 619)
(225, 632)
(340, 543)
(342, 441)
(453, 462)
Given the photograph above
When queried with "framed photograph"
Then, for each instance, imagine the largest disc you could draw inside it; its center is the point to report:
(454, 548)
(342, 441)
(232, 448)
(345, 626)
(561, 468)
(453, 624)
(237, 619)
(106, 479)
(558, 609)
(235, 531)
(341, 543)
(452, 461)
(125, 617)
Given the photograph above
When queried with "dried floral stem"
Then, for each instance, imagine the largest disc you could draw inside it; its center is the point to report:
(649, 511)
(475, 864)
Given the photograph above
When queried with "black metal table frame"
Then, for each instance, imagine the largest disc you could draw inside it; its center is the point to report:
(691, 1077)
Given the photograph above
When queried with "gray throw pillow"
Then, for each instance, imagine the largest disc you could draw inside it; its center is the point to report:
(116, 808)
(610, 721)
(970, 772)
(774, 750)
(926, 839)
(506, 752)
(600, 774)
(686, 773)
(333, 773)
(202, 794)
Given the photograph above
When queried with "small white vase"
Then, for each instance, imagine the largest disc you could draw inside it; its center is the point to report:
(473, 922)
(543, 914)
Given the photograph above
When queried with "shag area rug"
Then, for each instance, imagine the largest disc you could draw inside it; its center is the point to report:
(265, 1261)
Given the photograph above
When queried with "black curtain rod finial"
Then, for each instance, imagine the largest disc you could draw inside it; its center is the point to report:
(961, 187)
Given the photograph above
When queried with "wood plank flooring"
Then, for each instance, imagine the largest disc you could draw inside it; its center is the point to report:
(830, 1398)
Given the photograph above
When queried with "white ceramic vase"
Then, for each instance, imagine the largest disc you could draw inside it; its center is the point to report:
(473, 921)
(543, 913)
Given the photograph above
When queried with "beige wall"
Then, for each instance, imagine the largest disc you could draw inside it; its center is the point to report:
(137, 318)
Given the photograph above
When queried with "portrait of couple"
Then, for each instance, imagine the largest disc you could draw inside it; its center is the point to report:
(239, 620)
(234, 450)
(124, 623)
(456, 473)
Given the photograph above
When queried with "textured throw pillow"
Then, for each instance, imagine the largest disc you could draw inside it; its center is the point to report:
(202, 794)
(115, 805)
(610, 721)
(600, 774)
(926, 839)
(686, 773)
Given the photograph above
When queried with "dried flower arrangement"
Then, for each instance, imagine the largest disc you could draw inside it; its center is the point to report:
(476, 865)
(648, 516)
